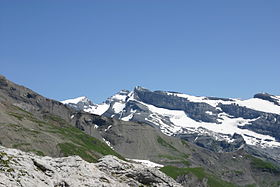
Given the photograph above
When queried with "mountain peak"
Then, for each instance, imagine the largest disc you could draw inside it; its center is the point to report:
(82, 99)
(268, 97)
(123, 92)
(140, 88)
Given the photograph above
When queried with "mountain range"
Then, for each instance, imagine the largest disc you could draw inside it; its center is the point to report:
(197, 141)
(230, 123)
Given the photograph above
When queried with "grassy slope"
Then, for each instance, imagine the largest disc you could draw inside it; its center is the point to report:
(181, 157)
(264, 166)
(212, 181)
(70, 140)
(198, 172)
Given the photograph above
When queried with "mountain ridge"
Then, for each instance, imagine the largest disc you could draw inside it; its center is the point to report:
(176, 114)
(262, 96)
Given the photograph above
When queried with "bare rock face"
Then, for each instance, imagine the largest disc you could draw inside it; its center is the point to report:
(268, 97)
(134, 174)
(19, 168)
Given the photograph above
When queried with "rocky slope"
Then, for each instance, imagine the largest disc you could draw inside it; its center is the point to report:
(141, 141)
(31, 122)
(227, 123)
(28, 170)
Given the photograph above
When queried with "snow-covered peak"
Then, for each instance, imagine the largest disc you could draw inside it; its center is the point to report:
(83, 103)
(268, 97)
(177, 113)
(120, 96)
(261, 102)
(140, 88)
(268, 104)
(116, 101)
(82, 99)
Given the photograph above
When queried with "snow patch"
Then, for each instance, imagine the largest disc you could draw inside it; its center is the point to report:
(108, 128)
(118, 107)
(98, 109)
(253, 103)
(75, 100)
(108, 143)
(130, 116)
(209, 112)
(228, 125)
(260, 105)
(147, 163)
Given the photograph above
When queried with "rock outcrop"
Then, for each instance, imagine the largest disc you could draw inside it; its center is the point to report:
(19, 168)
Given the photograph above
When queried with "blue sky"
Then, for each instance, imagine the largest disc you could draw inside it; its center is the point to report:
(64, 49)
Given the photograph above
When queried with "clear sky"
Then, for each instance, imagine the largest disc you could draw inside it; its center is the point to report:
(64, 48)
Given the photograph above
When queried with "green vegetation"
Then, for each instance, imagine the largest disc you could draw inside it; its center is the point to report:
(165, 144)
(16, 115)
(264, 165)
(69, 149)
(26, 147)
(238, 172)
(179, 159)
(176, 159)
(26, 115)
(82, 144)
(184, 142)
(27, 130)
(20, 109)
(175, 172)
(56, 119)
(4, 162)
(20, 145)
(79, 143)
(39, 153)
(35, 120)
(251, 185)
(10, 125)
(20, 128)
(74, 140)
(212, 181)
(170, 157)
(186, 162)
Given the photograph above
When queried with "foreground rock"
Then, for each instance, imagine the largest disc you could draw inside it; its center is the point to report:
(19, 168)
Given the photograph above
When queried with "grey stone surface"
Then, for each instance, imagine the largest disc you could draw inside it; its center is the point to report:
(28, 170)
